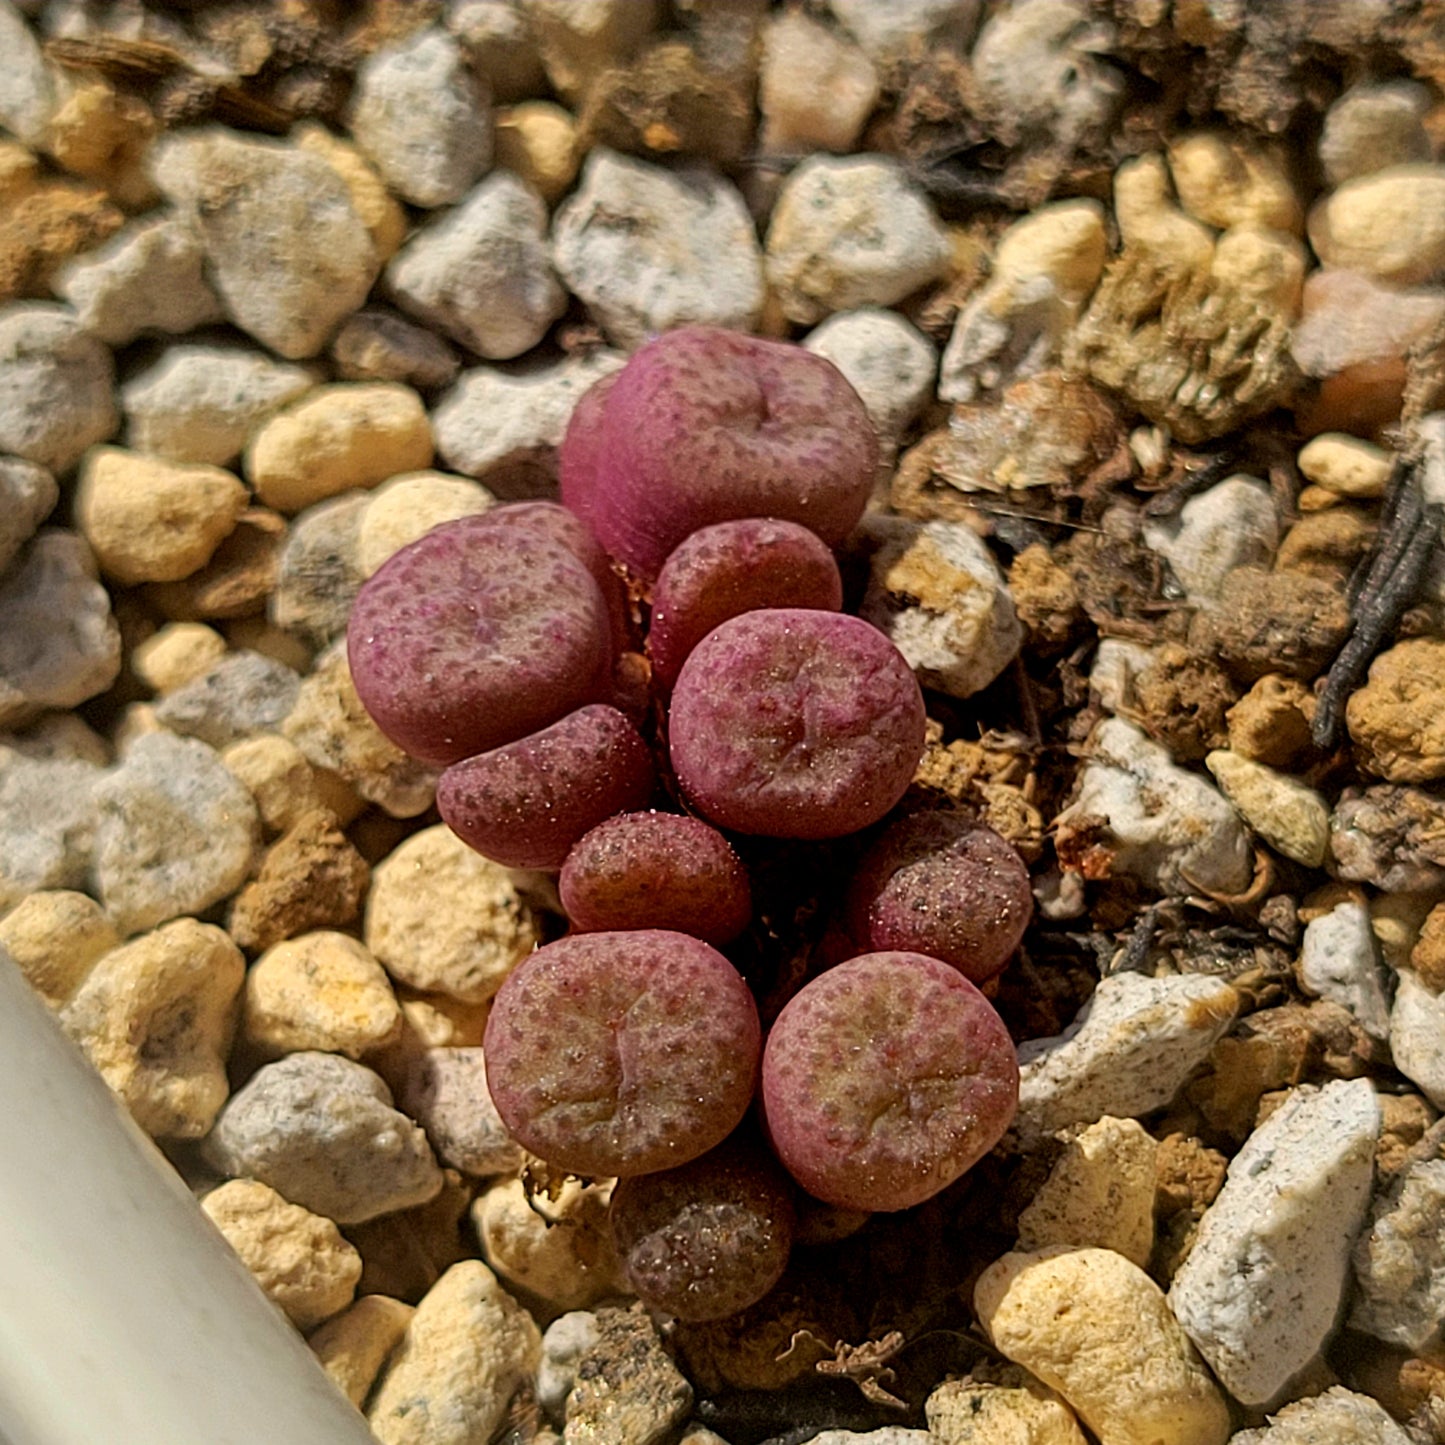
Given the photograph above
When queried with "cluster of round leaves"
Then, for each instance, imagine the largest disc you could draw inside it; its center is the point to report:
(714, 473)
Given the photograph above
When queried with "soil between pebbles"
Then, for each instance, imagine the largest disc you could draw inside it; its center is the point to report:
(1146, 304)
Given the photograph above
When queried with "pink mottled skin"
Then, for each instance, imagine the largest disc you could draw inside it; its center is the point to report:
(730, 568)
(710, 1238)
(656, 870)
(526, 803)
(790, 723)
(705, 425)
(941, 884)
(885, 1079)
(481, 631)
(622, 1053)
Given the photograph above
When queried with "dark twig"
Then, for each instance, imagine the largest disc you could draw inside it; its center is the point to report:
(1380, 598)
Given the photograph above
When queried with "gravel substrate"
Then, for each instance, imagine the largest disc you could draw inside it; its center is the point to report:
(1146, 303)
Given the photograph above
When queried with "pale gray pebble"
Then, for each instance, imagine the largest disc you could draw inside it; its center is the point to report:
(244, 694)
(499, 45)
(288, 254)
(1375, 124)
(887, 360)
(1390, 836)
(1131, 1049)
(320, 572)
(1167, 826)
(423, 118)
(1233, 524)
(627, 1390)
(1040, 70)
(445, 1091)
(1399, 1259)
(28, 494)
(379, 345)
(28, 96)
(321, 1131)
(176, 833)
(483, 273)
(199, 403)
(1417, 1036)
(564, 1342)
(1261, 1291)
(148, 277)
(55, 386)
(649, 249)
(59, 643)
(1337, 1417)
(47, 824)
(887, 30)
(1339, 960)
(884, 1435)
(850, 231)
(499, 425)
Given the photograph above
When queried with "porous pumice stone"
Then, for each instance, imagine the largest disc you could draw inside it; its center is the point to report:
(704, 425)
(527, 803)
(484, 630)
(885, 1079)
(792, 723)
(730, 568)
(657, 1062)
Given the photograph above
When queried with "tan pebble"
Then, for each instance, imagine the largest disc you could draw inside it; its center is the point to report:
(1397, 719)
(277, 776)
(1397, 920)
(406, 1252)
(1289, 815)
(408, 507)
(1065, 242)
(439, 1022)
(354, 1345)
(1316, 499)
(1149, 220)
(1346, 465)
(446, 920)
(1224, 181)
(103, 134)
(153, 521)
(1099, 1331)
(260, 634)
(137, 720)
(816, 88)
(321, 991)
(1099, 1193)
(156, 1017)
(179, 653)
(237, 580)
(379, 211)
(538, 140)
(310, 877)
(1271, 722)
(335, 732)
(349, 434)
(467, 1349)
(19, 172)
(1427, 957)
(1268, 266)
(298, 1258)
(1010, 1407)
(56, 937)
(1390, 225)
(557, 1249)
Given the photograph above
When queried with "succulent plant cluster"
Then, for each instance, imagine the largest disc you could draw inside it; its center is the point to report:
(703, 488)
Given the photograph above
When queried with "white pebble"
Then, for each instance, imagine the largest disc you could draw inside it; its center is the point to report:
(55, 386)
(199, 402)
(482, 272)
(851, 231)
(815, 89)
(498, 425)
(887, 360)
(423, 118)
(28, 89)
(28, 495)
(1339, 960)
(1168, 827)
(889, 29)
(175, 834)
(1417, 1036)
(1233, 524)
(1338, 1417)
(1260, 1292)
(1131, 1049)
(567, 1339)
(649, 249)
(1400, 1261)
(1390, 225)
(47, 824)
(146, 278)
(445, 1091)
